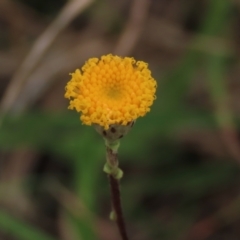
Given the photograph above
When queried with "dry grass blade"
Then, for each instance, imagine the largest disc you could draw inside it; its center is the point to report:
(130, 35)
(68, 13)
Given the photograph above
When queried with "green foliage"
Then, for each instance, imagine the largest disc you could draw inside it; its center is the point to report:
(15, 227)
(150, 151)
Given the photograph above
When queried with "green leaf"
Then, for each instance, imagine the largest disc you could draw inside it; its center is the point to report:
(20, 230)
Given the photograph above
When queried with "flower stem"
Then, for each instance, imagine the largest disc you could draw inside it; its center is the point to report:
(116, 202)
(114, 174)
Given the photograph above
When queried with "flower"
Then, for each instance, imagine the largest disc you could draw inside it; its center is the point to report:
(111, 90)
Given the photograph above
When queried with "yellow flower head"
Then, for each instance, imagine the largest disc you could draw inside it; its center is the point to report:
(111, 90)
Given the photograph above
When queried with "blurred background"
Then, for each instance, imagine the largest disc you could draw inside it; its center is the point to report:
(181, 161)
